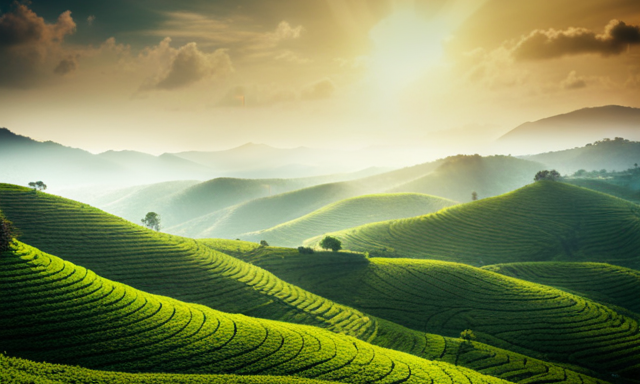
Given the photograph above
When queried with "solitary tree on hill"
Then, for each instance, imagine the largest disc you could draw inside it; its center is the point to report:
(152, 221)
(331, 243)
(263, 243)
(38, 185)
(552, 175)
(474, 195)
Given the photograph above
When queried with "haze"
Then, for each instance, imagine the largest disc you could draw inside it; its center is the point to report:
(443, 77)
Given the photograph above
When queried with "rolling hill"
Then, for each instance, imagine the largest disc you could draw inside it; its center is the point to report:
(544, 221)
(574, 129)
(60, 167)
(460, 175)
(625, 191)
(447, 298)
(350, 213)
(59, 312)
(598, 281)
(613, 155)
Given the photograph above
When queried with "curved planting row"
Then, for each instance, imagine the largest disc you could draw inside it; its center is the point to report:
(541, 222)
(20, 371)
(600, 282)
(55, 311)
(350, 213)
(346, 278)
(168, 265)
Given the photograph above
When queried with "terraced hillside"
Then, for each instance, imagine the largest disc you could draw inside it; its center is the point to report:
(461, 175)
(350, 213)
(20, 371)
(598, 281)
(447, 298)
(545, 221)
(169, 265)
(58, 312)
(627, 192)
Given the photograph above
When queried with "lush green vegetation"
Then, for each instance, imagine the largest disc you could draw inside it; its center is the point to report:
(625, 184)
(350, 213)
(20, 371)
(329, 273)
(461, 175)
(55, 311)
(545, 221)
(169, 265)
(600, 282)
(447, 298)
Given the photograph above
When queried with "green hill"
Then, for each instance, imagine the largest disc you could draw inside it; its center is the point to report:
(600, 282)
(461, 175)
(20, 371)
(350, 213)
(168, 265)
(62, 313)
(447, 298)
(545, 221)
(628, 190)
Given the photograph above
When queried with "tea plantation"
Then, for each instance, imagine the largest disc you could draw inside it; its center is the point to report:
(545, 221)
(55, 311)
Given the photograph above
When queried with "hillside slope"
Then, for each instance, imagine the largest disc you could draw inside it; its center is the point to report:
(20, 371)
(573, 129)
(598, 281)
(168, 265)
(63, 313)
(350, 213)
(447, 298)
(459, 176)
(544, 221)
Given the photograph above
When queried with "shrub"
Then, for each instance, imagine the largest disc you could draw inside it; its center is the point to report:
(7, 234)
(305, 250)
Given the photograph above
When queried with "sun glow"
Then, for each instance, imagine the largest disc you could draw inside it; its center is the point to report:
(405, 47)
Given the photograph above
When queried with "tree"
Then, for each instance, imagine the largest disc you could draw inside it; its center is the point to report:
(7, 234)
(305, 250)
(38, 185)
(474, 195)
(263, 243)
(552, 175)
(152, 221)
(331, 243)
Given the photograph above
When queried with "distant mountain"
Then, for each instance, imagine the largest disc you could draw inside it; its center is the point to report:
(60, 167)
(612, 155)
(573, 129)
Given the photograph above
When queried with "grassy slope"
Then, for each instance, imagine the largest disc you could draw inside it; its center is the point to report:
(20, 371)
(267, 212)
(321, 271)
(350, 213)
(461, 175)
(59, 312)
(447, 298)
(622, 191)
(600, 282)
(168, 265)
(545, 221)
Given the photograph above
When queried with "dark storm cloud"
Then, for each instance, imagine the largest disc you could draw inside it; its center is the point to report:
(541, 44)
(28, 44)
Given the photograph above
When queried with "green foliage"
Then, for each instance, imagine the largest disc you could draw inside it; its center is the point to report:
(263, 243)
(152, 221)
(305, 250)
(7, 233)
(552, 175)
(59, 312)
(543, 221)
(37, 185)
(350, 213)
(331, 243)
(468, 335)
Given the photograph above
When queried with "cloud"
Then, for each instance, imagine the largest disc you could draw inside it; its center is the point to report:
(67, 65)
(185, 65)
(541, 44)
(292, 57)
(257, 96)
(284, 31)
(322, 89)
(29, 45)
(91, 19)
(573, 81)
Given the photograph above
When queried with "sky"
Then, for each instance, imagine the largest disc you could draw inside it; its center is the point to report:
(168, 76)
